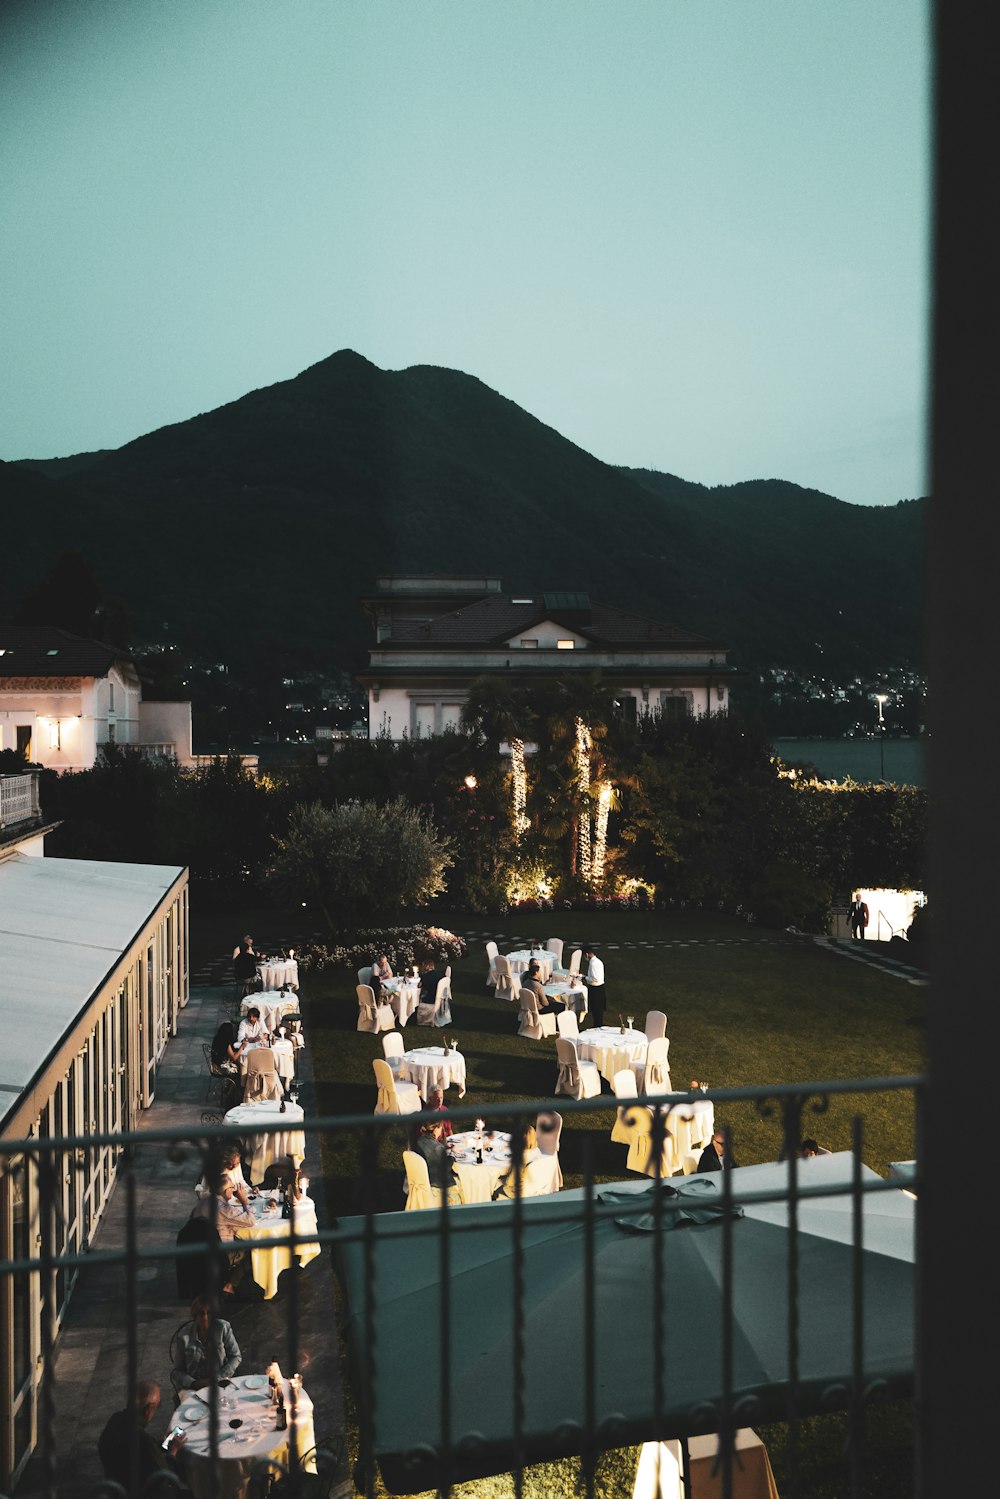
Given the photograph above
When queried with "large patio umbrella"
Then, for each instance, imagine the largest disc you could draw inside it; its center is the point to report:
(406, 1316)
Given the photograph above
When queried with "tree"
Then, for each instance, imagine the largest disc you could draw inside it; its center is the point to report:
(360, 861)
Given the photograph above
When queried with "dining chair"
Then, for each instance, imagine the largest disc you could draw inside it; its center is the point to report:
(574, 962)
(491, 976)
(656, 1024)
(175, 1353)
(534, 1023)
(372, 1016)
(365, 974)
(394, 1097)
(567, 1023)
(548, 1131)
(438, 1013)
(653, 1073)
(262, 1080)
(577, 1077)
(419, 1192)
(554, 945)
(625, 1089)
(641, 1157)
(315, 1474)
(508, 984)
(393, 1050)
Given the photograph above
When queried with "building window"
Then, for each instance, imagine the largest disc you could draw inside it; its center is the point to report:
(111, 733)
(565, 645)
(111, 697)
(529, 645)
(676, 704)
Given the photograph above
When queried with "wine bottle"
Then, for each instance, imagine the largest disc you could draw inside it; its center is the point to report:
(282, 1421)
(286, 1206)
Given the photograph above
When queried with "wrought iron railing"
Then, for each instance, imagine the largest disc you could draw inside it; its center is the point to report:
(366, 1246)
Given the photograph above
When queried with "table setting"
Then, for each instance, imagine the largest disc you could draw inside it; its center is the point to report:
(272, 1004)
(263, 1149)
(573, 994)
(268, 1262)
(248, 1432)
(403, 994)
(276, 973)
(520, 959)
(433, 1067)
(480, 1158)
(612, 1047)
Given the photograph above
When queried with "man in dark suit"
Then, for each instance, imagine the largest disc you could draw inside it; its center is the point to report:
(715, 1156)
(859, 917)
(430, 977)
(115, 1442)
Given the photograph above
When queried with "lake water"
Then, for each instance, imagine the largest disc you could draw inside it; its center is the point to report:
(836, 759)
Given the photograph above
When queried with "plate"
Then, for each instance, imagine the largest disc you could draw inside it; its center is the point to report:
(255, 1381)
(192, 1412)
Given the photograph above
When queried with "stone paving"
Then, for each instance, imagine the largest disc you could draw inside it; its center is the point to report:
(91, 1353)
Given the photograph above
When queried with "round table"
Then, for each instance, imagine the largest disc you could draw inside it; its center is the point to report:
(269, 1262)
(433, 1067)
(692, 1125)
(546, 961)
(247, 1398)
(263, 1149)
(404, 996)
(277, 972)
(478, 1182)
(574, 995)
(611, 1052)
(271, 1005)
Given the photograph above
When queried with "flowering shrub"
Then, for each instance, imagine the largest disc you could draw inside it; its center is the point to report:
(403, 945)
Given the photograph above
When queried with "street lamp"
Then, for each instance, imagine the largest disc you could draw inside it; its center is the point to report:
(880, 698)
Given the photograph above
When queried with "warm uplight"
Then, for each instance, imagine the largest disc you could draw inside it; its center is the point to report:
(471, 782)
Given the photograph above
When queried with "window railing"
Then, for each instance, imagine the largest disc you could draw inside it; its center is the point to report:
(704, 1264)
(19, 798)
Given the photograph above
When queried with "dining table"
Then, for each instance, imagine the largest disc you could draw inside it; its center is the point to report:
(282, 1049)
(245, 1400)
(691, 1125)
(478, 1180)
(572, 993)
(403, 994)
(270, 1260)
(433, 1067)
(272, 1004)
(520, 959)
(611, 1048)
(262, 1149)
(276, 973)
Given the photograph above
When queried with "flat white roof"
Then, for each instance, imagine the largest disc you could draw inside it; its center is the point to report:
(64, 924)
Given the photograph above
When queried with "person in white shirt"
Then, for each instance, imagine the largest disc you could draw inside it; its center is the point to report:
(252, 1031)
(594, 980)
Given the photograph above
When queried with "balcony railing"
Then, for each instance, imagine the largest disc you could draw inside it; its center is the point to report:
(19, 799)
(530, 1285)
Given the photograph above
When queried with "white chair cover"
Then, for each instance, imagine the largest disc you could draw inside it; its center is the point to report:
(574, 961)
(365, 974)
(533, 1023)
(439, 1013)
(689, 1165)
(508, 984)
(419, 1192)
(656, 1024)
(640, 1152)
(567, 1024)
(491, 976)
(393, 1050)
(623, 1082)
(575, 1078)
(555, 945)
(394, 1097)
(371, 1016)
(653, 1075)
(680, 1123)
(548, 1131)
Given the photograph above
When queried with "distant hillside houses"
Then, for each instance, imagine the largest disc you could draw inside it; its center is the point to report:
(434, 635)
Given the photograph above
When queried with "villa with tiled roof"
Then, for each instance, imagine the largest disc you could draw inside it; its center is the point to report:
(435, 635)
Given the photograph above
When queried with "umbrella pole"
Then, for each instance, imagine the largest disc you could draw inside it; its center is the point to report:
(685, 1467)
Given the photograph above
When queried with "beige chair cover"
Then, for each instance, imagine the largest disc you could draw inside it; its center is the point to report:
(555, 945)
(575, 1078)
(533, 1023)
(439, 1013)
(393, 1050)
(548, 1131)
(653, 1075)
(567, 1024)
(680, 1121)
(656, 1024)
(263, 1086)
(508, 984)
(365, 974)
(640, 1152)
(371, 1016)
(574, 961)
(419, 1192)
(689, 1165)
(623, 1082)
(491, 975)
(394, 1097)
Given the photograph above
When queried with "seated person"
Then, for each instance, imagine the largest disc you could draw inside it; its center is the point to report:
(430, 977)
(245, 965)
(232, 1170)
(205, 1349)
(113, 1445)
(225, 1053)
(435, 1100)
(381, 968)
(252, 1030)
(532, 980)
(375, 980)
(228, 1215)
(430, 1144)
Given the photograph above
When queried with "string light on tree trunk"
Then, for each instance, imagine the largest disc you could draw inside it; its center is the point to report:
(519, 787)
(583, 747)
(604, 799)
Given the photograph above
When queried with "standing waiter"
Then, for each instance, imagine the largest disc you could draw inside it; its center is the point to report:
(594, 980)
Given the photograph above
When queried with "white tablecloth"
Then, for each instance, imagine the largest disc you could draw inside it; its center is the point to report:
(433, 1067)
(610, 1050)
(519, 961)
(691, 1125)
(272, 1004)
(269, 1263)
(404, 996)
(278, 971)
(478, 1182)
(574, 996)
(263, 1149)
(257, 1438)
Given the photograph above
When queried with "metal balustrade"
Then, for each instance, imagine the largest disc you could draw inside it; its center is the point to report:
(19, 798)
(366, 1245)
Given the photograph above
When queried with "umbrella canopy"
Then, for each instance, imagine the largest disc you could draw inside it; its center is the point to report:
(408, 1315)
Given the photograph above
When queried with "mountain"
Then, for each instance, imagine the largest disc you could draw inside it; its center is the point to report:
(249, 532)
